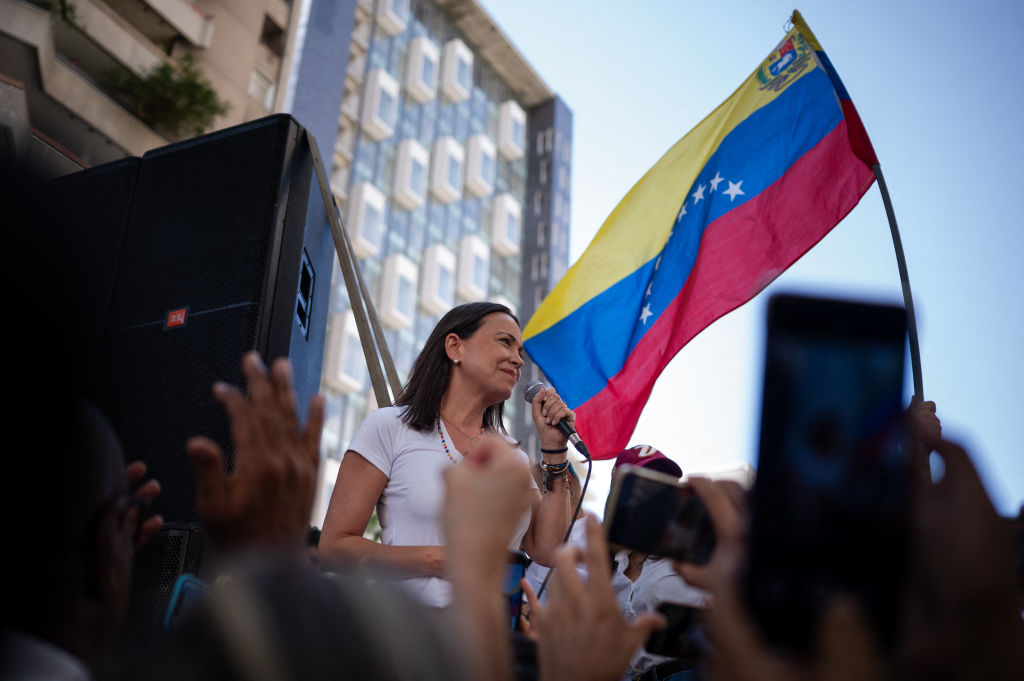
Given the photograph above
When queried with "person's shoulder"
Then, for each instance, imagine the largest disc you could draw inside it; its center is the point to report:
(385, 416)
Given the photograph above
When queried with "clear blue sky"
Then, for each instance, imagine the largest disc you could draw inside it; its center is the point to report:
(939, 89)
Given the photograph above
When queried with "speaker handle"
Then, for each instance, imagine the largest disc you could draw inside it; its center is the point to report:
(362, 306)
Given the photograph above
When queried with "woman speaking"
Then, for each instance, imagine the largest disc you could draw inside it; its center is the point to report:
(455, 394)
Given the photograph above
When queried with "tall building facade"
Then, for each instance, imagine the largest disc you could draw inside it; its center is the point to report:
(451, 167)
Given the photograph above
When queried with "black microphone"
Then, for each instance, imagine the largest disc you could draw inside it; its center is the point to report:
(564, 426)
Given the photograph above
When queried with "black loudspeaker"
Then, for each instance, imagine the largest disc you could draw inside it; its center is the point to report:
(222, 246)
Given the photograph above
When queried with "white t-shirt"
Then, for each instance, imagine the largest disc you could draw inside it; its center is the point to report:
(658, 582)
(409, 508)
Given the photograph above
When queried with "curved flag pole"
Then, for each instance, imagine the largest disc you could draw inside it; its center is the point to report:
(908, 300)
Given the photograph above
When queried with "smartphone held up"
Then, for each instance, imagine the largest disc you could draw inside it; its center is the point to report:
(830, 506)
(654, 513)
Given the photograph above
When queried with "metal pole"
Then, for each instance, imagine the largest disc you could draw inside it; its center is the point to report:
(908, 300)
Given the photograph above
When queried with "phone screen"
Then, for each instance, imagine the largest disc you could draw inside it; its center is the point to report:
(652, 512)
(830, 503)
(681, 636)
(513, 591)
(189, 590)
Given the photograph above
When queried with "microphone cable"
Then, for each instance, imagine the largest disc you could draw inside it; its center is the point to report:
(568, 533)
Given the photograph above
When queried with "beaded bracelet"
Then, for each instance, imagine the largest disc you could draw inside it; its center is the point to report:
(549, 472)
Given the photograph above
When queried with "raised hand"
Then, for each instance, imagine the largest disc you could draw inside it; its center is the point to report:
(145, 493)
(268, 497)
(581, 633)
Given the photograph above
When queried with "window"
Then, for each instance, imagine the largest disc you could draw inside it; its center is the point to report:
(272, 37)
(506, 224)
(487, 166)
(454, 170)
(346, 366)
(393, 16)
(473, 268)
(446, 170)
(456, 71)
(398, 285)
(428, 71)
(262, 89)
(366, 219)
(386, 108)
(418, 177)
(380, 105)
(480, 165)
(480, 272)
(444, 282)
(372, 227)
(437, 289)
(355, 363)
(421, 71)
(411, 174)
(511, 129)
(406, 299)
(512, 227)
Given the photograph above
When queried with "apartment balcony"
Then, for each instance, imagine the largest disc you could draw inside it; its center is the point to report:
(96, 29)
(166, 21)
(63, 97)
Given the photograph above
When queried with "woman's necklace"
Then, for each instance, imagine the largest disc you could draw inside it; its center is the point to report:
(444, 443)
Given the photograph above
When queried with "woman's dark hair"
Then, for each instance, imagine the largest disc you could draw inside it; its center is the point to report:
(431, 371)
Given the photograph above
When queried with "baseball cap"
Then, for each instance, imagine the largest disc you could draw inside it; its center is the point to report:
(648, 457)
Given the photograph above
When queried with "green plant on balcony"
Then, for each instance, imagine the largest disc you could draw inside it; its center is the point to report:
(177, 101)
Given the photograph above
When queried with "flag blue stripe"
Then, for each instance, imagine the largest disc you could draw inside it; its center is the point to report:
(754, 155)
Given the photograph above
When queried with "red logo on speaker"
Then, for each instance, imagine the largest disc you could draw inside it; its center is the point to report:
(176, 318)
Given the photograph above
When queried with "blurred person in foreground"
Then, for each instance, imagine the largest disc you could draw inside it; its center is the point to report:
(961, 620)
(396, 461)
(67, 586)
(273, 615)
(75, 512)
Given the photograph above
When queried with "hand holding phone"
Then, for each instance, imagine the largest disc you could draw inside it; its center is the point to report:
(654, 513)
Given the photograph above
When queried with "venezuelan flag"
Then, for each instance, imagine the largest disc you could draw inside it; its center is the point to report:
(730, 206)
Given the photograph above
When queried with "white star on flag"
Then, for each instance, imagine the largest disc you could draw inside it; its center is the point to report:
(649, 285)
(699, 194)
(645, 314)
(734, 189)
(682, 212)
(716, 180)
